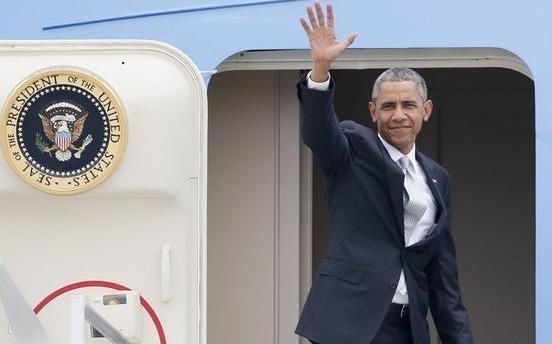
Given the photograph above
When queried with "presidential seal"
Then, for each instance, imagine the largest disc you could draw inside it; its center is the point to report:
(63, 131)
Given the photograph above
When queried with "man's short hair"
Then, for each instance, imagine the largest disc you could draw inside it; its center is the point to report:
(398, 74)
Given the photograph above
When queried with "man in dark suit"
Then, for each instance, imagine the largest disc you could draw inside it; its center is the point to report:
(391, 252)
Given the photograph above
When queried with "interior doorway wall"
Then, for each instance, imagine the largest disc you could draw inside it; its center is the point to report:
(253, 201)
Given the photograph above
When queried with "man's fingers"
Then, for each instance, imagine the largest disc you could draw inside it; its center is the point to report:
(312, 19)
(319, 13)
(351, 39)
(305, 26)
(329, 10)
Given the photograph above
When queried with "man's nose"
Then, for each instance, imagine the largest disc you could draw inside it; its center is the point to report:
(400, 114)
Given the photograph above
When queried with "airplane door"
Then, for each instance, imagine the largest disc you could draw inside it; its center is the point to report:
(103, 185)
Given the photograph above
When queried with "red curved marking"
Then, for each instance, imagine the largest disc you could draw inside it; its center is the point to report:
(104, 284)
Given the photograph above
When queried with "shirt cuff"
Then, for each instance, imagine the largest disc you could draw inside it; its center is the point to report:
(320, 86)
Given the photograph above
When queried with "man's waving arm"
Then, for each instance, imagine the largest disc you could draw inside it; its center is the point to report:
(319, 125)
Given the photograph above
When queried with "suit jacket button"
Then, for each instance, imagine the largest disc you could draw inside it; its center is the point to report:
(393, 285)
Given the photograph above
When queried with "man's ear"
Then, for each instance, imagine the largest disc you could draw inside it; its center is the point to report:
(372, 109)
(428, 107)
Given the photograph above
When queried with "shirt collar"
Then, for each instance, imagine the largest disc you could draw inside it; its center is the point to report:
(396, 154)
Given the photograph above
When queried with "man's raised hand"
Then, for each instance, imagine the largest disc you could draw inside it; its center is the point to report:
(325, 48)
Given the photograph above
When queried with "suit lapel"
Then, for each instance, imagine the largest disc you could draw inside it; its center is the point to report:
(432, 181)
(395, 179)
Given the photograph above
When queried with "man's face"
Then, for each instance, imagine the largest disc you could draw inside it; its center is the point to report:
(399, 111)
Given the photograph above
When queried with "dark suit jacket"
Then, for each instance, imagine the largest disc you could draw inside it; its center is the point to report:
(357, 279)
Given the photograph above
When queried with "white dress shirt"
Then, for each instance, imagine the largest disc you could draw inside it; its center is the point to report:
(428, 219)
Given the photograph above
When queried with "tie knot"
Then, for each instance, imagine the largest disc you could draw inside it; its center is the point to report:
(405, 163)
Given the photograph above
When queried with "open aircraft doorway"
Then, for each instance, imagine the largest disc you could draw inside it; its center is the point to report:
(268, 223)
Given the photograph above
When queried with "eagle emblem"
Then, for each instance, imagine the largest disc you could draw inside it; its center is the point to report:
(47, 127)
(63, 124)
